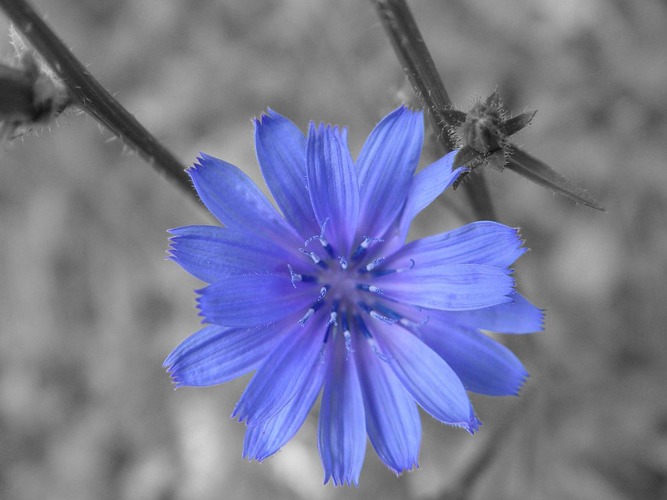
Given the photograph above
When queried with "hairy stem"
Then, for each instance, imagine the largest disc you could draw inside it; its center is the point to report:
(88, 94)
(420, 69)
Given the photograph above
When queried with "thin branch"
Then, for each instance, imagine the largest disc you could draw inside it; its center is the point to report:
(90, 95)
(408, 43)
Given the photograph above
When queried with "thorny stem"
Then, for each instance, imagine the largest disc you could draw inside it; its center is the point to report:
(90, 95)
(428, 87)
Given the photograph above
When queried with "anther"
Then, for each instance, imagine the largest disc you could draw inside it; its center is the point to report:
(384, 315)
(345, 324)
(306, 316)
(323, 241)
(327, 247)
(316, 305)
(347, 335)
(361, 249)
(332, 318)
(389, 313)
(370, 288)
(294, 277)
(371, 265)
(384, 272)
(315, 258)
(376, 349)
(385, 319)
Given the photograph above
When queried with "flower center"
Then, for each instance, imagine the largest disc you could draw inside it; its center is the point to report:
(345, 285)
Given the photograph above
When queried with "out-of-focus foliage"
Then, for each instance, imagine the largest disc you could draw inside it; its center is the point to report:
(89, 307)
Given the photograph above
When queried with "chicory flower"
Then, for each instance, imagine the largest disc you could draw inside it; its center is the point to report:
(326, 297)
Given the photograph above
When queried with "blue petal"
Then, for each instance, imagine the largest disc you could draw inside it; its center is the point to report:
(254, 299)
(483, 242)
(217, 354)
(516, 316)
(211, 253)
(265, 439)
(426, 187)
(386, 168)
(456, 287)
(482, 364)
(236, 201)
(281, 153)
(392, 418)
(284, 372)
(426, 376)
(333, 186)
(342, 428)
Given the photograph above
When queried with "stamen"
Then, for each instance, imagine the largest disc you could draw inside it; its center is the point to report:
(371, 265)
(332, 318)
(330, 326)
(363, 247)
(347, 335)
(343, 263)
(370, 288)
(384, 272)
(396, 318)
(318, 236)
(389, 313)
(385, 319)
(295, 277)
(376, 349)
(316, 305)
(369, 338)
(307, 316)
(381, 313)
(327, 247)
(345, 324)
(315, 258)
(323, 241)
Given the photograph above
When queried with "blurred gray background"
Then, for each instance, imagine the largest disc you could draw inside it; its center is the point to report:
(89, 307)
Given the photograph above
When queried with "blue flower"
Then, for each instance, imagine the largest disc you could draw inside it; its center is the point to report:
(328, 297)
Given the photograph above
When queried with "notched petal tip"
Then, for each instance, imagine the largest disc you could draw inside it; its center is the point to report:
(175, 380)
(256, 455)
(202, 160)
(474, 425)
(411, 465)
(170, 364)
(521, 382)
(337, 481)
(266, 117)
(405, 108)
(534, 320)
